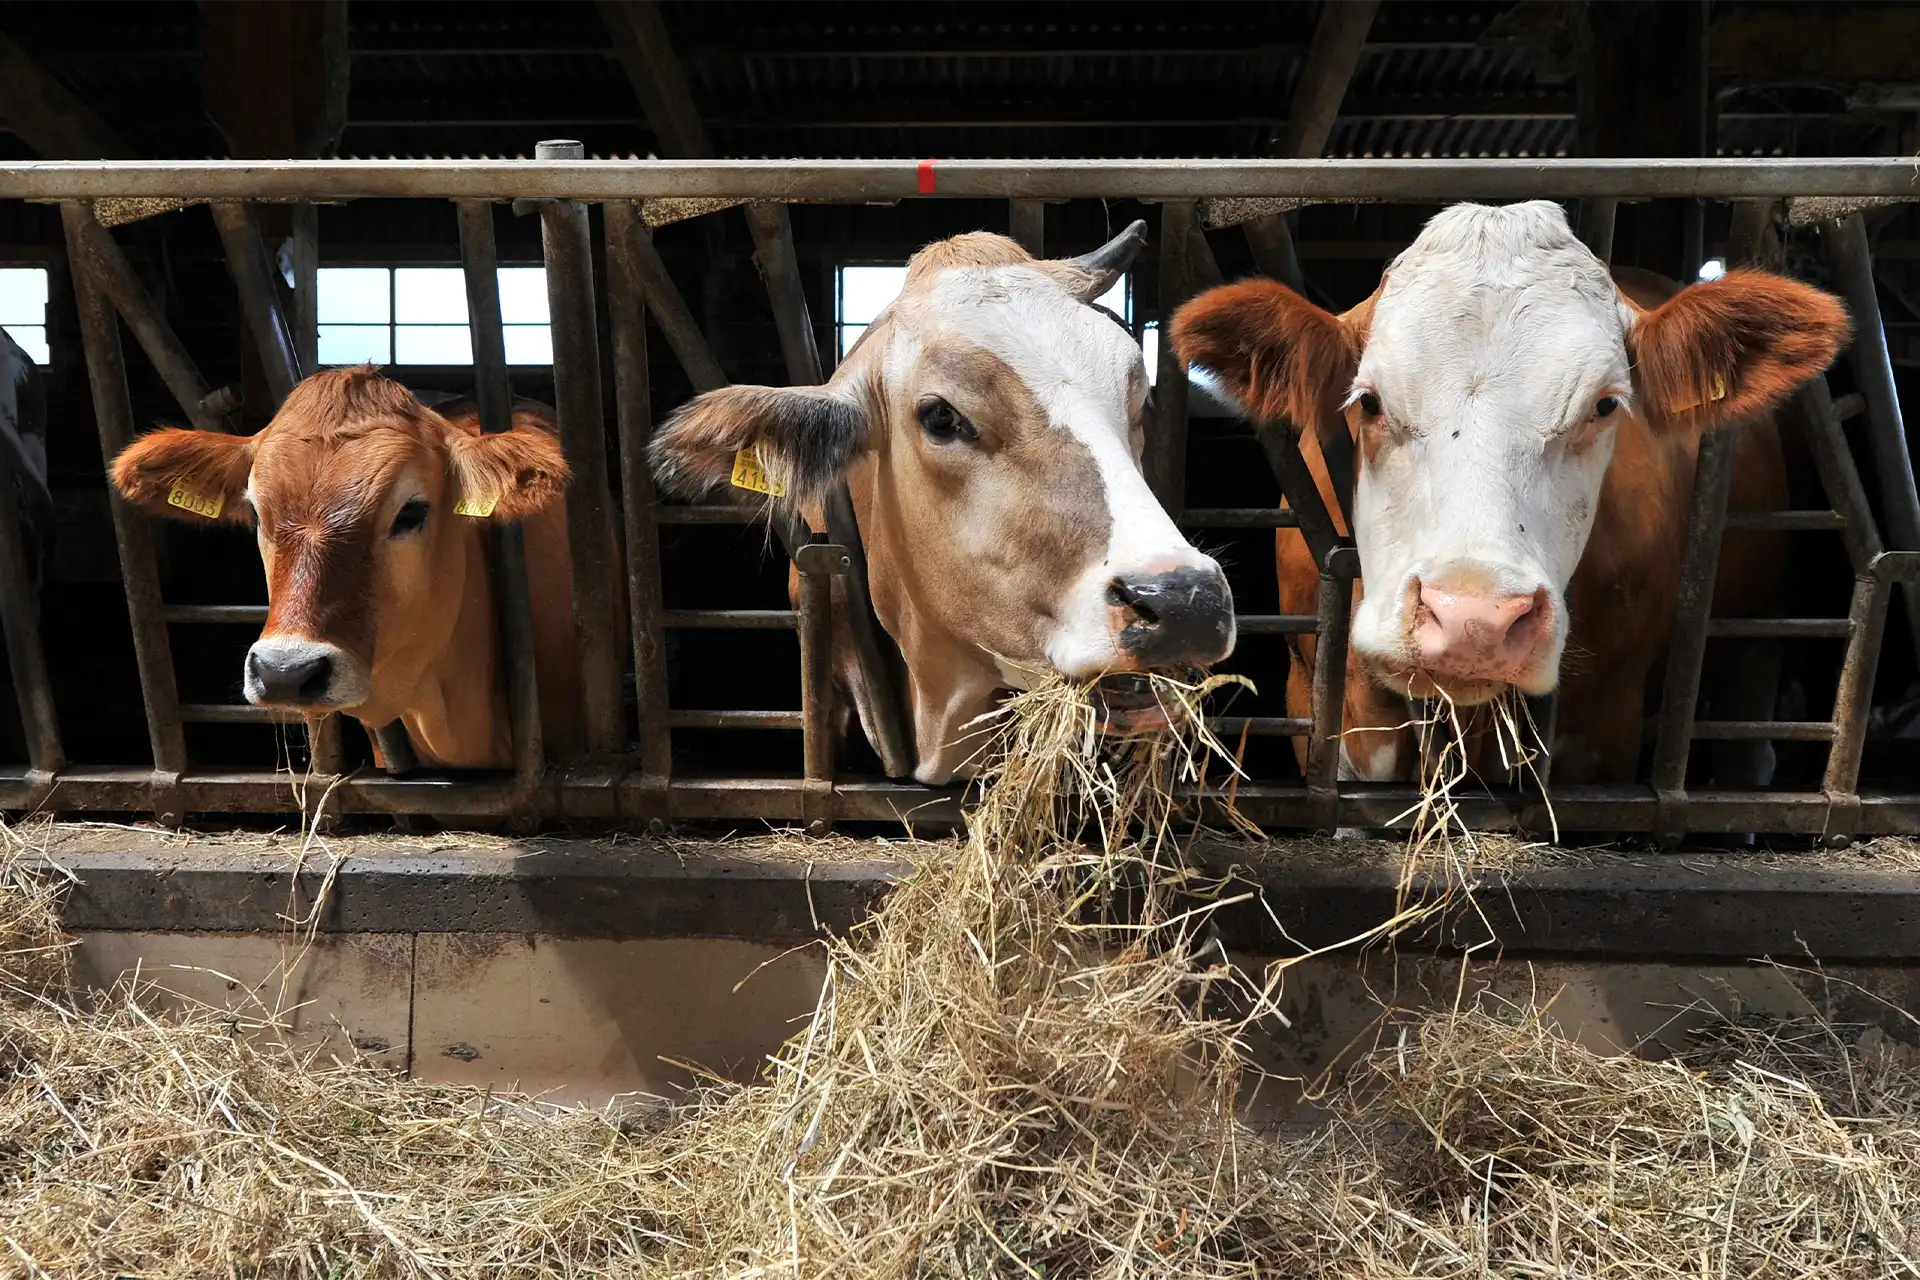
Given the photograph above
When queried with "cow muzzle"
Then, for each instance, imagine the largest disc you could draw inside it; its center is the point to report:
(1471, 640)
(1177, 618)
(310, 675)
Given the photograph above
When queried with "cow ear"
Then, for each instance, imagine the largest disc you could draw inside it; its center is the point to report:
(1732, 348)
(797, 438)
(509, 476)
(189, 475)
(1277, 354)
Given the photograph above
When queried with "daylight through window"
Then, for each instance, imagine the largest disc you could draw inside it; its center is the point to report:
(23, 310)
(418, 316)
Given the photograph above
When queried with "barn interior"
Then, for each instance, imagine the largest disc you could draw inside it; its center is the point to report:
(415, 80)
(579, 967)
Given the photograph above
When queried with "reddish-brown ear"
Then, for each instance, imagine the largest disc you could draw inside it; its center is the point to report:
(1732, 348)
(509, 476)
(189, 475)
(1276, 353)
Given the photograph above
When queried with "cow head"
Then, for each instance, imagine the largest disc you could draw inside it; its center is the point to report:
(366, 505)
(991, 424)
(1485, 382)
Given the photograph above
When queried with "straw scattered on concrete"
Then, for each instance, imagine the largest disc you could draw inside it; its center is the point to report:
(1008, 1075)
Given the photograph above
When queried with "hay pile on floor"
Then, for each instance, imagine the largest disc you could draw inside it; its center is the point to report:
(1000, 1080)
(1487, 1144)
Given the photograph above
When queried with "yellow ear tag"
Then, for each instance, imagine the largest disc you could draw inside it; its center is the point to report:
(478, 508)
(1715, 394)
(747, 474)
(198, 503)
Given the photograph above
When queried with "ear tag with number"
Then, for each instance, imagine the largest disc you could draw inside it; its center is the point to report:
(208, 505)
(748, 474)
(478, 508)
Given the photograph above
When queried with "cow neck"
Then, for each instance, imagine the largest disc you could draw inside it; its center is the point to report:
(951, 684)
(458, 714)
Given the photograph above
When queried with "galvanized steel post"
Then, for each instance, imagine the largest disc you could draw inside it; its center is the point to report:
(494, 397)
(140, 571)
(576, 380)
(633, 393)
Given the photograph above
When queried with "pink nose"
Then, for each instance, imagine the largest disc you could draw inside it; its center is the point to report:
(1470, 634)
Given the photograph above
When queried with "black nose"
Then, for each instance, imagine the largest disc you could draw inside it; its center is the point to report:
(1185, 616)
(286, 679)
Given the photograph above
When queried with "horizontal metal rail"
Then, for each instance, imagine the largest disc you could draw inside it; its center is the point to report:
(731, 619)
(1422, 181)
(625, 795)
(680, 719)
(251, 615)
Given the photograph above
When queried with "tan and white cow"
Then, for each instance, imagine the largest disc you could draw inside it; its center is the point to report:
(989, 425)
(370, 511)
(1527, 426)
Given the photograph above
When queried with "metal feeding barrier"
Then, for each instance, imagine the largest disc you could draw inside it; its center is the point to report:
(627, 781)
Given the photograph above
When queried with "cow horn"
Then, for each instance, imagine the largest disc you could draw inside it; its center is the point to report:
(1105, 264)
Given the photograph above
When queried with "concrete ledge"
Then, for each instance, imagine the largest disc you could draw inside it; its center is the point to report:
(1851, 907)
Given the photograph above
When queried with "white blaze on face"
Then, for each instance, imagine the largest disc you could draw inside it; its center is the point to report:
(1496, 335)
(1087, 375)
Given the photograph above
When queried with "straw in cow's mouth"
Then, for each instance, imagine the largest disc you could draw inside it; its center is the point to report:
(1135, 703)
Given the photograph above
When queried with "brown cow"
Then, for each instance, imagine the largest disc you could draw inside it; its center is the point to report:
(990, 426)
(370, 510)
(1527, 430)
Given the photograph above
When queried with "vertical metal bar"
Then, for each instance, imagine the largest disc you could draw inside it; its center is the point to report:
(1027, 223)
(627, 311)
(1273, 252)
(1167, 453)
(1839, 477)
(1700, 565)
(326, 753)
(1596, 226)
(873, 648)
(1697, 137)
(1328, 698)
(396, 748)
(670, 310)
(115, 277)
(113, 414)
(1850, 259)
(1282, 447)
(773, 246)
(306, 284)
(253, 277)
(26, 656)
(568, 249)
(1853, 698)
(818, 565)
(494, 398)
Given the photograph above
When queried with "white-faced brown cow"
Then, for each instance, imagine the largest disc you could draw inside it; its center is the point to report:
(1526, 433)
(990, 426)
(370, 511)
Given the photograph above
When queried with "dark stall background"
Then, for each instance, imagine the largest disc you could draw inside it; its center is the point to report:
(943, 80)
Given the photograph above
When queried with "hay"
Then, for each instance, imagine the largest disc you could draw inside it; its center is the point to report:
(1487, 1144)
(1007, 1075)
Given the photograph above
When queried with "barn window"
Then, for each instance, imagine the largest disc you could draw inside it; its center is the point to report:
(861, 293)
(418, 316)
(23, 310)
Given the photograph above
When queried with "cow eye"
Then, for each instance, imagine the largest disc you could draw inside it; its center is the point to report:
(1606, 407)
(946, 424)
(411, 519)
(1370, 404)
